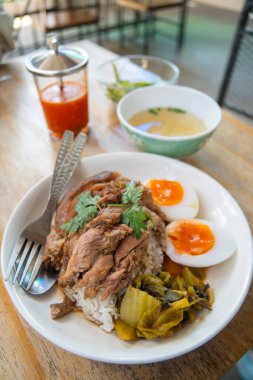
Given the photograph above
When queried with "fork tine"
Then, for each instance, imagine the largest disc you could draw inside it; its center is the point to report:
(35, 250)
(35, 270)
(19, 248)
(21, 261)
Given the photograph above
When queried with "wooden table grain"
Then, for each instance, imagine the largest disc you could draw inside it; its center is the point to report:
(27, 153)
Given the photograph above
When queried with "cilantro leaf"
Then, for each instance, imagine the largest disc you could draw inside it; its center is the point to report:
(86, 208)
(177, 110)
(135, 217)
(154, 111)
(132, 194)
(73, 224)
(85, 199)
(88, 213)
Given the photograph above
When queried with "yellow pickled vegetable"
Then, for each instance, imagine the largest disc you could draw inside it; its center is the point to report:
(180, 282)
(190, 279)
(124, 331)
(210, 294)
(156, 323)
(166, 277)
(191, 315)
(157, 303)
(134, 304)
(180, 304)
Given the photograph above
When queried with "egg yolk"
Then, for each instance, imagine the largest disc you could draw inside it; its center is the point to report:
(166, 193)
(191, 237)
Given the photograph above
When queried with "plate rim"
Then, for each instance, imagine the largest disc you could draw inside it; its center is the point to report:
(126, 360)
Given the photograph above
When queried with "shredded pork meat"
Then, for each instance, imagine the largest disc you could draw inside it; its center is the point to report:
(104, 253)
(91, 244)
(60, 309)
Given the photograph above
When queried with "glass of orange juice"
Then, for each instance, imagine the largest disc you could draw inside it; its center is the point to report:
(60, 75)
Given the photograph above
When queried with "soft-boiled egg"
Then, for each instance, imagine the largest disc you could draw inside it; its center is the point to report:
(176, 199)
(198, 243)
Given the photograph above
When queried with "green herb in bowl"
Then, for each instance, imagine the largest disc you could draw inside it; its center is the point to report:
(121, 87)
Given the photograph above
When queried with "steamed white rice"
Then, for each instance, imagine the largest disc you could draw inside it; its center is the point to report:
(99, 311)
(103, 312)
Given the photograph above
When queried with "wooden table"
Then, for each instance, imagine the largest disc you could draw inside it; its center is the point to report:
(27, 154)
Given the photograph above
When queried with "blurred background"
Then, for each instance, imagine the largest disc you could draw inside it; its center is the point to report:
(210, 40)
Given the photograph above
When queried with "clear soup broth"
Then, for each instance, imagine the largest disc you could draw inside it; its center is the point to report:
(168, 122)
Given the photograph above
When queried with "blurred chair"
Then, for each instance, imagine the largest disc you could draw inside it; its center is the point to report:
(236, 91)
(6, 41)
(145, 11)
(57, 15)
(20, 9)
(6, 33)
(69, 14)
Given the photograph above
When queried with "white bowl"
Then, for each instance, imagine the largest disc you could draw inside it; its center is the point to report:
(137, 68)
(186, 98)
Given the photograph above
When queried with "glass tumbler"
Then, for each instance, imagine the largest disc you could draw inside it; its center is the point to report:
(60, 75)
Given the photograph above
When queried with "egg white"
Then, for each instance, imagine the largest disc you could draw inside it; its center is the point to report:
(188, 208)
(224, 247)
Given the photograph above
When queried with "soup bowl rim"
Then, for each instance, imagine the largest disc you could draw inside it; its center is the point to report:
(165, 62)
(206, 132)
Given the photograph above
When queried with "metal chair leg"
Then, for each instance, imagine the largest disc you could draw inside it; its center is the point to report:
(137, 24)
(181, 34)
(153, 26)
(80, 33)
(98, 9)
(146, 36)
(121, 27)
(99, 35)
(236, 45)
(61, 36)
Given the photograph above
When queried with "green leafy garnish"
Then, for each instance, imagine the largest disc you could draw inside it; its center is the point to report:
(154, 111)
(120, 88)
(116, 73)
(86, 208)
(132, 194)
(177, 110)
(84, 200)
(135, 217)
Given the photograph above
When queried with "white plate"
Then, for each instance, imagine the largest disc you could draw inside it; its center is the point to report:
(230, 279)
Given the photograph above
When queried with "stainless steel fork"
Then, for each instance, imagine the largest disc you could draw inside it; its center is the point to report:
(29, 250)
